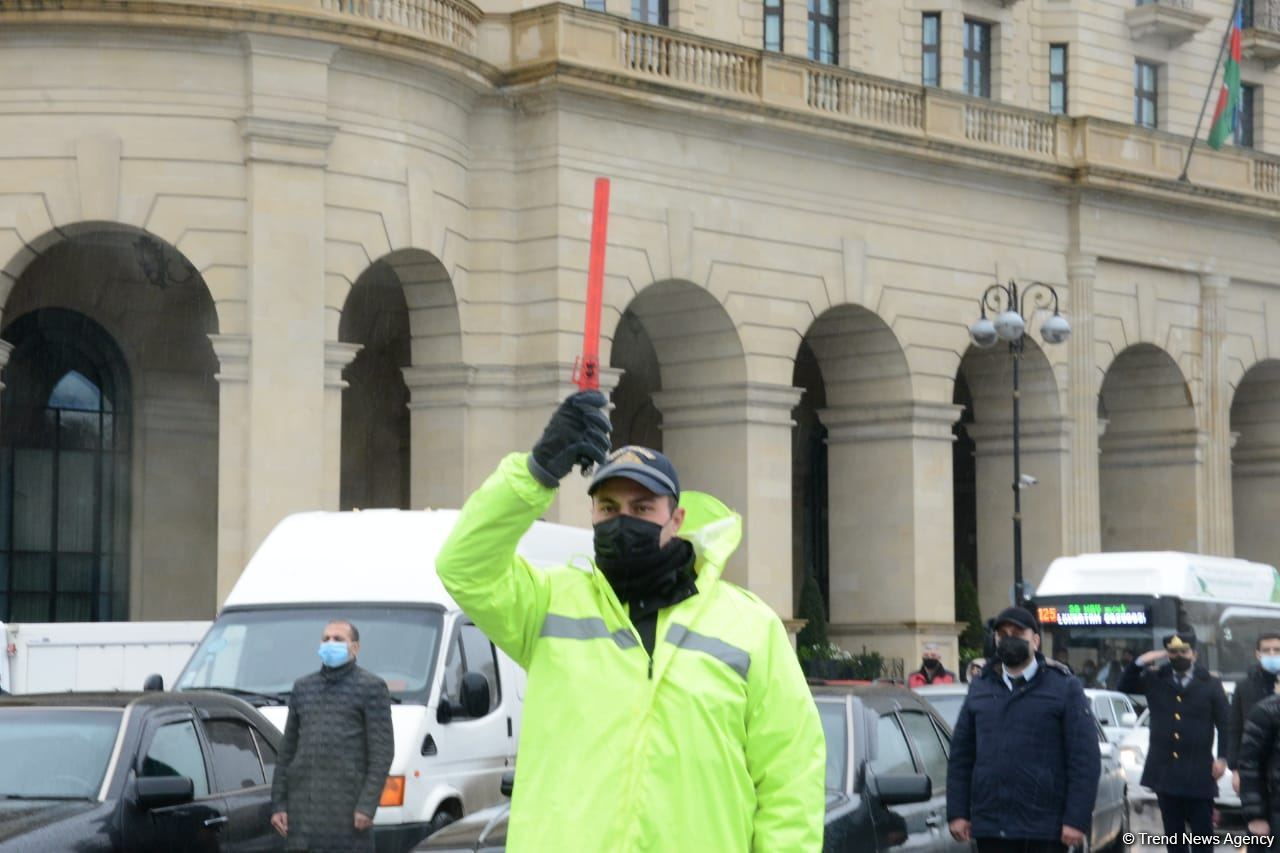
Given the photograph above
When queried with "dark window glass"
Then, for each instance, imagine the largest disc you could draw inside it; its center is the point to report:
(453, 669)
(1058, 79)
(928, 747)
(835, 728)
(977, 58)
(1244, 127)
(175, 751)
(893, 756)
(235, 758)
(267, 753)
(63, 471)
(824, 26)
(930, 47)
(649, 11)
(773, 24)
(1145, 94)
(595, 5)
(481, 658)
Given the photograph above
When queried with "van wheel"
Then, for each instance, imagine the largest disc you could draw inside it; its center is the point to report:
(439, 821)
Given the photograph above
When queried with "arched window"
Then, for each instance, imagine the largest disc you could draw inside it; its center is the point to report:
(64, 472)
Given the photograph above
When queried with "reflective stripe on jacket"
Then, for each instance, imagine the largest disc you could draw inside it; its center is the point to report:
(713, 745)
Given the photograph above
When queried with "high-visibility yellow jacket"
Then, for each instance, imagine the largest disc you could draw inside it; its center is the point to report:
(712, 746)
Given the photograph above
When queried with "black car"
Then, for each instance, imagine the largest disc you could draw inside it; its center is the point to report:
(135, 771)
(886, 778)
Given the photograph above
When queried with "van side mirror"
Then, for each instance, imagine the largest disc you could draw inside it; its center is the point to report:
(1128, 718)
(154, 681)
(508, 783)
(1106, 750)
(474, 695)
(901, 790)
(155, 792)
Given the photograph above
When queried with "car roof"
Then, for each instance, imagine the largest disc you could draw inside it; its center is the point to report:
(207, 699)
(942, 689)
(879, 697)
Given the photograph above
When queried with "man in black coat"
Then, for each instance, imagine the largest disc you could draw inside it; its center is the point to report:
(1024, 765)
(1186, 705)
(337, 749)
(1259, 758)
(1258, 684)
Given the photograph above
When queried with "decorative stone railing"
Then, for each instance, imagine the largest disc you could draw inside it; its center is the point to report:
(1266, 176)
(859, 98)
(1014, 130)
(450, 22)
(660, 53)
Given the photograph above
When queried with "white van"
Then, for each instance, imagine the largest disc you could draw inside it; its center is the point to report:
(456, 699)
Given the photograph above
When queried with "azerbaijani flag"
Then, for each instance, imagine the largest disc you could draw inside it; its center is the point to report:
(1226, 117)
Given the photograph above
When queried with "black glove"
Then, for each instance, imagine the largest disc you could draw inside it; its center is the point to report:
(579, 430)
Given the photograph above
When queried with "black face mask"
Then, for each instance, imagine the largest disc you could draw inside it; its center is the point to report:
(1180, 664)
(629, 556)
(1013, 651)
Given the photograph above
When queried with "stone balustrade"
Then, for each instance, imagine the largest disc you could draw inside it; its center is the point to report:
(591, 48)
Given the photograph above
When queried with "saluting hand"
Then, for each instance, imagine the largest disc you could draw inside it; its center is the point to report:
(280, 821)
(959, 829)
(1148, 658)
(363, 822)
(1071, 837)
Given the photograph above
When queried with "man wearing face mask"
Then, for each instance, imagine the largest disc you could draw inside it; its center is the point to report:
(1187, 705)
(1258, 684)
(1024, 765)
(665, 707)
(337, 749)
(931, 669)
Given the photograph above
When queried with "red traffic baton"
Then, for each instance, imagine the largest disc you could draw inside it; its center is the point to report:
(586, 369)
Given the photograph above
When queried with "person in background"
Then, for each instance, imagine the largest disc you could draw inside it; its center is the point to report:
(1089, 674)
(1187, 705)
(931, 670)
(974, 672)
(1109, 675)
(1061, 656)
(337, 749)
(1258, 684)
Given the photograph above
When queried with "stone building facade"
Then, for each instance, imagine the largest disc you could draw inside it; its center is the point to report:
(269, 256)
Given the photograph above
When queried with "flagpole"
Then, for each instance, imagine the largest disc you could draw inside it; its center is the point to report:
(1226, 37)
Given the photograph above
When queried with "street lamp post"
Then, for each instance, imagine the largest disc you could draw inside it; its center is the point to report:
(1009, 306)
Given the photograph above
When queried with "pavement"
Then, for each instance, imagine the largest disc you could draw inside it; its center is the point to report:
(1147, 823)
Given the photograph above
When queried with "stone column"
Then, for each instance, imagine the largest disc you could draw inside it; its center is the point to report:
(1046, 455)
(891, 525)
(337, 356)
(286, 142)
(1083, 516)
(1216, 516)
(232, 352)
(734, 441)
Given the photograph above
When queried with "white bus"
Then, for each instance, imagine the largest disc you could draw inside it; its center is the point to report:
(1095, 605)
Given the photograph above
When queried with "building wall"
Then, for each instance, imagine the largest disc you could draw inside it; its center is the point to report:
(283, 167)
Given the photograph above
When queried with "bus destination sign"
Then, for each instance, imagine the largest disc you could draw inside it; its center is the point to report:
(1087, 614)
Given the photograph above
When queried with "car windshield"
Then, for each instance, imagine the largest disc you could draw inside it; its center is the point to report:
(836, 730)
(55, 753)
(948, 706)
(264, 650)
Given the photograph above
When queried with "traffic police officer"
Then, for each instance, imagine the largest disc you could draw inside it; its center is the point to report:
(1186, 704)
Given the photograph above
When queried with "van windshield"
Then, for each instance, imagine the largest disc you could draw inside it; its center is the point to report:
(263, 651)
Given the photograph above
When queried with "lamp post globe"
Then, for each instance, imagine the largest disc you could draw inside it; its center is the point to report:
(983, 333)
(1055, 330)
(1010, 326)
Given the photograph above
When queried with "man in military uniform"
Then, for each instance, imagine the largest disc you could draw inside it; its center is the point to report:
(1187, 704)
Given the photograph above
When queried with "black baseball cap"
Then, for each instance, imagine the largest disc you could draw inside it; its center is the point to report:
(642, 465)
(1019, 616)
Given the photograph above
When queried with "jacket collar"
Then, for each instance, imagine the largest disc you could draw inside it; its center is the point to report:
(715, 531)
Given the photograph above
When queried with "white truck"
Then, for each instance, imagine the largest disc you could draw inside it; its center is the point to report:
(54, 657)
(456, 700)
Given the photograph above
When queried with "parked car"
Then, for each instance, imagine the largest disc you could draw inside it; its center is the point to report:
(886, 778)
(1114, 711)
(1111, 807)
(1133, 757)
(146, 772)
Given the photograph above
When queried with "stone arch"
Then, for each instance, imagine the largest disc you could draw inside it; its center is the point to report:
(403, 440)
(1255, 462)
(153, 304)
(984, 384)
(1149, 453)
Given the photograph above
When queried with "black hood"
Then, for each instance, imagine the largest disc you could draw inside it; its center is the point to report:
(20, 817)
